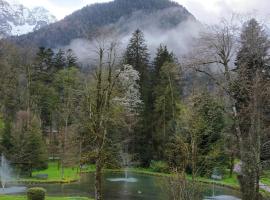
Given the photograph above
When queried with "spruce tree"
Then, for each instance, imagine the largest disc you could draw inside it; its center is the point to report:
(59, 60)
(137, 56)
(162, 56)
(165, 99)
(71, 59)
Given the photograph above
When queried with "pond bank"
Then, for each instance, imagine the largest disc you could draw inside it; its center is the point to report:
(72, 175)
(230, 183)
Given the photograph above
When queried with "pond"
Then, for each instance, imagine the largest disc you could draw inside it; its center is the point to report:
(138, 187)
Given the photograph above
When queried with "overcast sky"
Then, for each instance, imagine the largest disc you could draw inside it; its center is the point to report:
(204, 10)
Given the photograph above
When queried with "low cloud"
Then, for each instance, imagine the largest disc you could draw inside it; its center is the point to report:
(156, 28)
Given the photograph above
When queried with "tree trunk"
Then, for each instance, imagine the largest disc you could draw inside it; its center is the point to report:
(193, 151)
(64, 148)
(231, 164)
(98, 175)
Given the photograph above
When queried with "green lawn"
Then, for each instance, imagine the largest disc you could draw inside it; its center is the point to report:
(47, 198)
(54, 174)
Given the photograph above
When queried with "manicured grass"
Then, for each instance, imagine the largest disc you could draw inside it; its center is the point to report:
(47, 198)
(54, 174)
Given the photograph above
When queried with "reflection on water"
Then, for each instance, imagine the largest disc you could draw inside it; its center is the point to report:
(128, 180)
(222, 197)
(13, 190)
(139, 187)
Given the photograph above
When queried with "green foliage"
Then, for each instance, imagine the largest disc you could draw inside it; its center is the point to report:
(166, 100)
(36, 148)
(162, 56)
(28, 149)
(250, 91)
(6, 142)
(9, 80)
(204, 123)
(36, 193)
(137, 56)
(43, 94)
(177, 153)
(178, 187)
(2, 124)
(159, 166)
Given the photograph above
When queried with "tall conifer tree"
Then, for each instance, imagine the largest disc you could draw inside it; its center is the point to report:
(137, 56)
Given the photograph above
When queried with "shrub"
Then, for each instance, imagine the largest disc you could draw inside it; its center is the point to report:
(159, 166)
(178, 187)
(36, 193)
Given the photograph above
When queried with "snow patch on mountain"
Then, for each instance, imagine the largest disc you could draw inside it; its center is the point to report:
(16, 19)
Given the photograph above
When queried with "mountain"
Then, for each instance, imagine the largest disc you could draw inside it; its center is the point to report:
(123, 15)
(16, 19)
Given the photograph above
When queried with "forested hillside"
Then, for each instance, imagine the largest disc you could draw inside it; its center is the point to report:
(119, 14)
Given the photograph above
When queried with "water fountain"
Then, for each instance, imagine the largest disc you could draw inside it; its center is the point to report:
(6, 178)
(126, 158)
(216, 176)
(4, 171)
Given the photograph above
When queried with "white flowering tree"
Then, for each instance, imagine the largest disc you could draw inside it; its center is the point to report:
(131, 99)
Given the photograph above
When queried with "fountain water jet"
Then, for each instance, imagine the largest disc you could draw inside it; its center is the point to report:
(6, 177)
(5, 172)
(126, 162)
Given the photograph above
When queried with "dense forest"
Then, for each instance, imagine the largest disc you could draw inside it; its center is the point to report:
(193, 116)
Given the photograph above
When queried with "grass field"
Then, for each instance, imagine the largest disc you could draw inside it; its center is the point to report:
(54, 174)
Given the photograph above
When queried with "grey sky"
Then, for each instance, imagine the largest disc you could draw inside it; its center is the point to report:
(207, 11)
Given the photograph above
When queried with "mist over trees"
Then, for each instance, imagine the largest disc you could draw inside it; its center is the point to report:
(116, 14)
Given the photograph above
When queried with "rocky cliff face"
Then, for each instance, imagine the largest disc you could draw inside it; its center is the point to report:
(16, 19)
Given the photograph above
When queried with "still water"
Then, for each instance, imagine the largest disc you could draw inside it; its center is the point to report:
(144, 188)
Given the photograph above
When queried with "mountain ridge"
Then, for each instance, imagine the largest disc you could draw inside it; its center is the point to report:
(119, 13)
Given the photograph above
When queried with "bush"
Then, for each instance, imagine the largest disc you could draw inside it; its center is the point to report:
(159, 166)
(36, 193)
